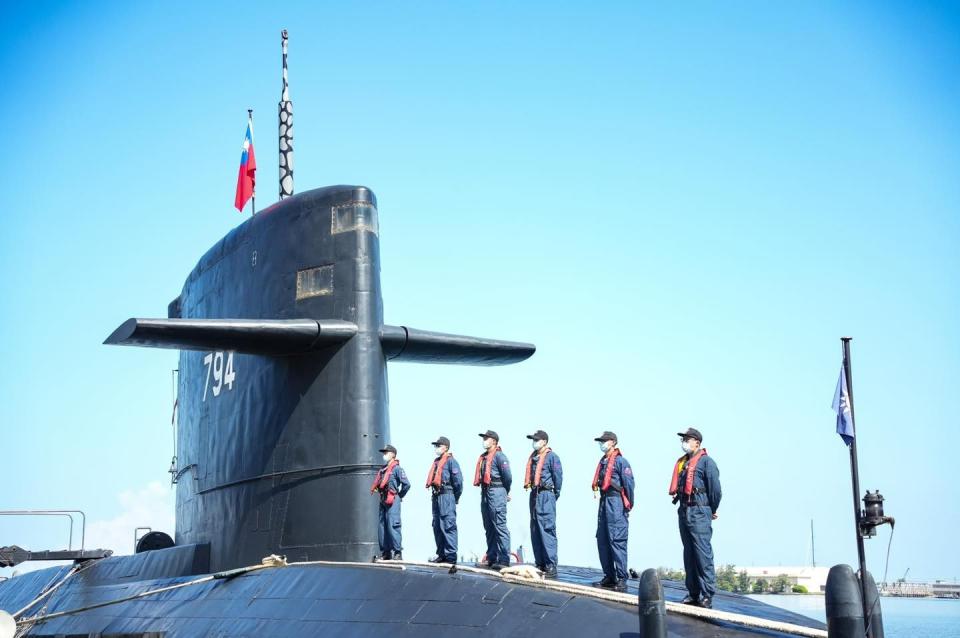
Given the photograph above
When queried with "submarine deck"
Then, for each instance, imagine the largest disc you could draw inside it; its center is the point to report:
(342, 600)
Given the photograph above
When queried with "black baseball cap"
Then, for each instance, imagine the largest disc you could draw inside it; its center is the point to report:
(389, 448)
(607, 436)
(691, 433)
(539, 435)
(442, 440)
(491, 434)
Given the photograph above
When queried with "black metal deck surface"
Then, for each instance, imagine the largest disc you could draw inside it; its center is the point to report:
(340, 600)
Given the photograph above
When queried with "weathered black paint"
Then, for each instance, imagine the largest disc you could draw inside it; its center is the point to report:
(844, 605)
(651, 605)
(249, 336)
(282, 462)
(347, 601)
(875, 613)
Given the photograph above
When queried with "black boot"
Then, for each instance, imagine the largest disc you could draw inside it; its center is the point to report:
(550, 571)
(689, 600)
(620, 585)
(606, 582)
(706, 602)
(397, 555)
(385, 555)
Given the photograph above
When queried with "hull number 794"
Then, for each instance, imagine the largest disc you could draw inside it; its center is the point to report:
(223, 375)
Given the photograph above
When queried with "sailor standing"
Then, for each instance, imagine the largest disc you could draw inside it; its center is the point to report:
(695, 484)
(494, 479)
(392, 485)
(613, 480)
(543, 477)
(446, 483)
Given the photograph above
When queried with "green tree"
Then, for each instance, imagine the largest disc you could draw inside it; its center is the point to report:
(760, 586)
(743, 582)
(727, 578)
(780, 584)
(668, 573)
(800, 589)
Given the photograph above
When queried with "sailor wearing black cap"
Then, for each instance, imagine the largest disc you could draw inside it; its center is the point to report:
(446, 484)
(494, 479)
(544, 478)
(392, 485)
(613, 480)
(695, 484)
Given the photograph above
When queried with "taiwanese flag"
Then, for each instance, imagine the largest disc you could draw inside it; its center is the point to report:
(246, 179)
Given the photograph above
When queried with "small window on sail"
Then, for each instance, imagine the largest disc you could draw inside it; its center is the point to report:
(315, 282)
(354, 216)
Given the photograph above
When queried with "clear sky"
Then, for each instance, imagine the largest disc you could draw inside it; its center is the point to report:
(684, 206)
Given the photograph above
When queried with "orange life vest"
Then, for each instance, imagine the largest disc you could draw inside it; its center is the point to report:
(486, 472)
(435, 475)
(383, 479)
(691, 465)
(527, 483)
(603, 486)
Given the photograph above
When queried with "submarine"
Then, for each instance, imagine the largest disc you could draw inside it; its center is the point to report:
(282, 406)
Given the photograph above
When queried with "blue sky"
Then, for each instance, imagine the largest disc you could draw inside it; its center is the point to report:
(684, 207)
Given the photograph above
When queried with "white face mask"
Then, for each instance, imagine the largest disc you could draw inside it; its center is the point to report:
(604, 446)
(686, 446)
(487, 444)
(539, 444)
(438, 451)
(386, 458)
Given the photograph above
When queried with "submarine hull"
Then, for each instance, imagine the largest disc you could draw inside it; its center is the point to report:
(330, 599)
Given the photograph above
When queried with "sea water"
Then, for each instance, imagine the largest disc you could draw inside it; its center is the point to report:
(902, 617)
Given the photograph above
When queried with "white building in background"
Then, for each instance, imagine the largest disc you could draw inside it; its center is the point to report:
(813, 578)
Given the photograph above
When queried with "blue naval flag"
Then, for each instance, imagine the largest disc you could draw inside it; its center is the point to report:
(841, 405)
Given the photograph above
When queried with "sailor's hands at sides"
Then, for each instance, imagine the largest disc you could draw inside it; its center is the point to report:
(508, 498)
(715, 516)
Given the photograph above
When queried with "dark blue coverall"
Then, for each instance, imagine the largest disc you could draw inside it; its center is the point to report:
(388, 532)
(543, 508)
(493, 508)
(696, 527)
(445, 500)
(612, 519)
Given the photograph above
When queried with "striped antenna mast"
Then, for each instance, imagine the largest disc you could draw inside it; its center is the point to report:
(285, 109)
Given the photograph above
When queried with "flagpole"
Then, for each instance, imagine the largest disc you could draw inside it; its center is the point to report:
(253, 195)
(855, 476)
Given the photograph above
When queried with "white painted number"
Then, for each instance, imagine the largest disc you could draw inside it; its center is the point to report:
(206, 361)
(221, 376)
(229, 374)
(217, 373)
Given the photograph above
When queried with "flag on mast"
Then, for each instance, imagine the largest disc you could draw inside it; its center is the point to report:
(246, 179)
(841, 405)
